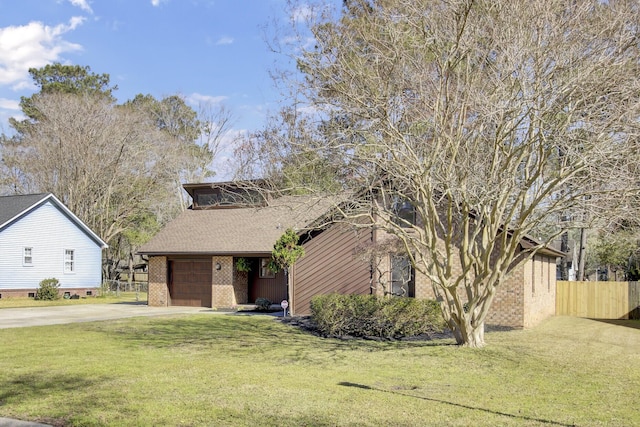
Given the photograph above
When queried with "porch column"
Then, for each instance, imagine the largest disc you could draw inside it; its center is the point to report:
(222, 295)
(158, 288)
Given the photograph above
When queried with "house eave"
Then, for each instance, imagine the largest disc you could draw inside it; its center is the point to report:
(205, 253)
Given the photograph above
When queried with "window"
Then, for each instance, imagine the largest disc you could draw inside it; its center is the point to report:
(27, 257)
(229, 197)
(404, 213)
(265, 271)
(69, 261)
(402, 276)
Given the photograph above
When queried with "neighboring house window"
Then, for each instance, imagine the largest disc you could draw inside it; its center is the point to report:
(27, 257)
(402, 276)
(69, 261)
(265, 271)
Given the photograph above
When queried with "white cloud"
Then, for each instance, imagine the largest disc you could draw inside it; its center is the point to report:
(9, 104)
(157, 3)
(82, 4)
(32, 46)
(302, 13)
(198, 98)
(224, 40)
(224, 161)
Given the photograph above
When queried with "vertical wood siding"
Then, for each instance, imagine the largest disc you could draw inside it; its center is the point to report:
(330, 265)
(274, 289)
(49, 232)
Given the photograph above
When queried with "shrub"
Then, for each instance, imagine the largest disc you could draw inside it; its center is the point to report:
(243, 265)
(263, 304)
(372, 316)
(48, 290)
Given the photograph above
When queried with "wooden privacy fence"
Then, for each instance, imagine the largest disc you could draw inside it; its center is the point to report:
(598, 300)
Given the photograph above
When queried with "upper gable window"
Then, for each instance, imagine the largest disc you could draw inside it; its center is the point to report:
(404, 213)
(27, 257)
(218, 197)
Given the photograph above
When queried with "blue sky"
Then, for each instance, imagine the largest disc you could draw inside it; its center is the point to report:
(206, 50)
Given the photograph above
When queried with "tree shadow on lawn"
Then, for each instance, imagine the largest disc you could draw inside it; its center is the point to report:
(244, 334)
(29, 389)
(633, 324)
(459, 405)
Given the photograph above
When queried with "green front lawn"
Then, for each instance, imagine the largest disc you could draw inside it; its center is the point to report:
(225, 370)
(111, 298)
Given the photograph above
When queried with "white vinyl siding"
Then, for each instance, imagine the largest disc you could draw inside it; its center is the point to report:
(48, 232)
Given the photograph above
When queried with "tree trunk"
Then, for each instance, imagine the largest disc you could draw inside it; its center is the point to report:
(582, 254)
(564, 262)
(130, 278)
(468, 335)
(467, 327)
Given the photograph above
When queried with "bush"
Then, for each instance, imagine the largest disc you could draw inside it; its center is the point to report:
(263, 304)
(48, 290)
(372, 316)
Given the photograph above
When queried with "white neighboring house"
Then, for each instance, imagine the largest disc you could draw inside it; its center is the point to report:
(40, 238)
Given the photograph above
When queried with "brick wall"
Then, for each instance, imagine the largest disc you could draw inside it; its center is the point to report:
(241, 286)
(523, 300)
(158, 288)
(507, 308)
(222, 292)
(24, 293)
(539, 290)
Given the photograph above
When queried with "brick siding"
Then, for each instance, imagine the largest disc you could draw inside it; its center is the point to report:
(24, 293)
(241, 286)
(222, 292)
(158, 288)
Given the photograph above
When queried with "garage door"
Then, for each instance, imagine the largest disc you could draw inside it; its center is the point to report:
(190, 282)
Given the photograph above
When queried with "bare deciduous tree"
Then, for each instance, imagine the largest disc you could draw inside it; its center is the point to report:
(492, 119)
(103, 163)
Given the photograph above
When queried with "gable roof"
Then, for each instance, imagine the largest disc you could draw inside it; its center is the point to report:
(12, 208)
(250, 230)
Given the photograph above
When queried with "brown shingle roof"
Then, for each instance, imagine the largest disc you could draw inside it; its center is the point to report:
(235, 231)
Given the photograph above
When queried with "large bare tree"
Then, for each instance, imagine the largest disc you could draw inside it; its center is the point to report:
(118, 167)
(104, 163)
(493, 119)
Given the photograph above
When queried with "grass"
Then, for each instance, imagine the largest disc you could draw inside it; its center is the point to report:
(225, 370)
(18, 302)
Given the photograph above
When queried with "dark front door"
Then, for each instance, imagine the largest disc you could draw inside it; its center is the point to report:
(190, 282)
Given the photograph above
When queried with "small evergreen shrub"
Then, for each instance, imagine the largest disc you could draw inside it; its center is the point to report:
(263, 304)
(372, 316)
(48, 290)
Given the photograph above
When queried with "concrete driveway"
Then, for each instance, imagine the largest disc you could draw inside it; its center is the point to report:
(40, 316)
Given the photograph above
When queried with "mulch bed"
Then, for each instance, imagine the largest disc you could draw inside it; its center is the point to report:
(306, 324)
